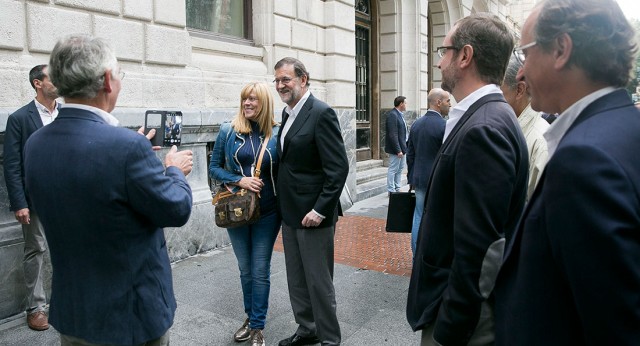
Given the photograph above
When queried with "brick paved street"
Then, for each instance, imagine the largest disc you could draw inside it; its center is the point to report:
(362, 242)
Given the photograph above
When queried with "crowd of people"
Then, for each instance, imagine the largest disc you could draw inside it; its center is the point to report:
(524, 233)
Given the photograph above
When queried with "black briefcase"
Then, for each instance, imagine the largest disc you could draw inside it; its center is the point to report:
(400, 212)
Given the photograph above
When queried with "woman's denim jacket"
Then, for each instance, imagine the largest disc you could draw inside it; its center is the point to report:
(225, 151)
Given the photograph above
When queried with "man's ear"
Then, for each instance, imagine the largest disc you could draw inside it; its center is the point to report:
(521, 90)
(562, 51)
(304, 79)
(106, 84)
(466, 55)
(37, 83)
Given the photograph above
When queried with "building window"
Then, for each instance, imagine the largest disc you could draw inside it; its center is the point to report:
(220, 18)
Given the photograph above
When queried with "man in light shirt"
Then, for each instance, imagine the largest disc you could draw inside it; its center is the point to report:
(476, 194)
(20, 125)
(571, 272)
(532, 124)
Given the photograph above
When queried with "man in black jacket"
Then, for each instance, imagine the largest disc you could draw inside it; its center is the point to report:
(476, 193)
(20, 125)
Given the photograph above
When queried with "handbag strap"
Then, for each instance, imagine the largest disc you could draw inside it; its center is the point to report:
(256, 173)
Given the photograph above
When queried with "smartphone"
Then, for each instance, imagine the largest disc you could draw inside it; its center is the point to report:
(168, 126)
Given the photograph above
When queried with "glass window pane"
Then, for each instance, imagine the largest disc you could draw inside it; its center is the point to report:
(218, 16)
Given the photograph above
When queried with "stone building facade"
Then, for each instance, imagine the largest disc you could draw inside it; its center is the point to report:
(360, 55)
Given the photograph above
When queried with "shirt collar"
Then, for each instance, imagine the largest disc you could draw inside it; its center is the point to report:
(296, 109)
(106, 116)
(458, 111)
(559, 128)
(41, 108)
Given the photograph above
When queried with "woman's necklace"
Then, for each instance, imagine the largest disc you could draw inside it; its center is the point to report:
(255, 154)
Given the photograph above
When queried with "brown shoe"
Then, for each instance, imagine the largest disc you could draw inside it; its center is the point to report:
(38, 321)
(244, 333)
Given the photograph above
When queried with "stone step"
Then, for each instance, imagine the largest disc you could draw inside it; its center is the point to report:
(375, 187)
(368, 164)
(371, 174)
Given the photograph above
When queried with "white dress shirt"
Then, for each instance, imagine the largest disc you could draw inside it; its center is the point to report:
(458, 111)
(106, 116)
(46, 116)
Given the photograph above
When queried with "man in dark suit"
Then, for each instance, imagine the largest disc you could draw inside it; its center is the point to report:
(103, 197)
(425, 140)
(571, 272)
(395, 143)
(476, 192)
(20, 125)
(312, 171)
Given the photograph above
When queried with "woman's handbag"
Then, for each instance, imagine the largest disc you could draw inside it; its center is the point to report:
(241, 208)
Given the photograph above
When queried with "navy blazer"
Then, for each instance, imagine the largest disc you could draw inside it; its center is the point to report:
(396, 138)
(425, 140)
(20, 125)
(475, 196)
(313, 165)
(103, 197)
(571, 274)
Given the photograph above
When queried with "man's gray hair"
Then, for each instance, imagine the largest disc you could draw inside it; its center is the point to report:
(78, 63)
(510, 75)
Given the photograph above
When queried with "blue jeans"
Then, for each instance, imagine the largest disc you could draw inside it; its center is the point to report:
(394, 174)
(253, 246)
(417, 217)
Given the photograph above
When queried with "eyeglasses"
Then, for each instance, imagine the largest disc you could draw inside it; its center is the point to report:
(284, 80)
(443, 50)
(519, 51)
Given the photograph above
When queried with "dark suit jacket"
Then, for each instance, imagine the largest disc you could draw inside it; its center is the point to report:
(20, 125)
(571, 274)
(103, 197)
(396, 137)
(425, 140)
(475, 196)
(313, 165)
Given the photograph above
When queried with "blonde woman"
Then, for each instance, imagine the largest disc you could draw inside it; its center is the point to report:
(233, 162)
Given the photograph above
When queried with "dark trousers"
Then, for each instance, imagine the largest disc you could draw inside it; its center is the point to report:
(309, 259)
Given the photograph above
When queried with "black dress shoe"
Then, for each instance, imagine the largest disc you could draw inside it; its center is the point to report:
(297, 340)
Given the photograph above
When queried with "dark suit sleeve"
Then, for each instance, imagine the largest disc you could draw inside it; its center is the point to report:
(334, 161)
(392, 131)
(164, 197)
(411, 153)
(593, 225)
(485, 175)
(13, 164)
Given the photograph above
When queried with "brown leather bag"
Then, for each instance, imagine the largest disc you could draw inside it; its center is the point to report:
(241, 208)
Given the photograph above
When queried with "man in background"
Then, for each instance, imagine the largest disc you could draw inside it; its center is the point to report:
(571, 272)
(476, 194)
(103, 197)
(20, 126)
(425, 140)
(396, 143)
(532, 124)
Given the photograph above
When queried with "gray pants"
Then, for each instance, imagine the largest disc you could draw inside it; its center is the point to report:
(309, 259)
(35, 246)
(66, 340)
(483, 335)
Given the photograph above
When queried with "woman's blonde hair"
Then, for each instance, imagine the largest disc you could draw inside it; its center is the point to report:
(265, 117)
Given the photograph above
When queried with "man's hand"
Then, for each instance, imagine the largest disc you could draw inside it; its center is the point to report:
(22, 216)
(150, 135)
(311, 219)
(181, 159)
(400, 154)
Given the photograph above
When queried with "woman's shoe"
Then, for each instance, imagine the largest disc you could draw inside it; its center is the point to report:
(257, 339)
(244, 333)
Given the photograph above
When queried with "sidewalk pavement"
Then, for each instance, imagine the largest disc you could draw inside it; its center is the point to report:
(371, 304)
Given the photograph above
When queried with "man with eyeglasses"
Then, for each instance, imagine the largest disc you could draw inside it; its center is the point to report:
(311, 174)
(20, 126)
(571, 272)
(532, 124)
(103, 197)
(476, 192)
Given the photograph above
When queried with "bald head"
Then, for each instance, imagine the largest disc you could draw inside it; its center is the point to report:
(439, 101)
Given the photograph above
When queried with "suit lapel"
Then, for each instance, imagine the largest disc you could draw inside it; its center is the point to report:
(34, 115)
(298, 122)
